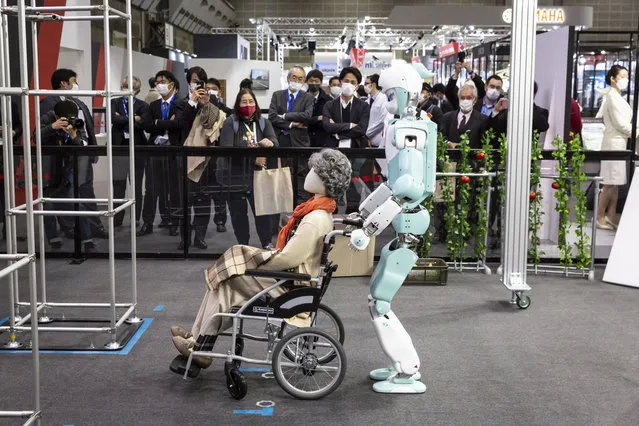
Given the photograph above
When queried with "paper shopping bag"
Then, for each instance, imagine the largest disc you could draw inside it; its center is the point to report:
(273, 191)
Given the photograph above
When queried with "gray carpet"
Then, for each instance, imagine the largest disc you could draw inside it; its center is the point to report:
(570, 359)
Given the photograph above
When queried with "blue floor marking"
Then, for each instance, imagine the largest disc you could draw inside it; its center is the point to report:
(124, 351)
(266, 411)
(255, 370)
(158, 308)
(3, 320)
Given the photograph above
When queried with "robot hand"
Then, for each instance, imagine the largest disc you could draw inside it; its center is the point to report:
(359, 240)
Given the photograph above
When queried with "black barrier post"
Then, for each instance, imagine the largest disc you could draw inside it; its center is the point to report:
(185, 208)
(294, 178)
(77, 243)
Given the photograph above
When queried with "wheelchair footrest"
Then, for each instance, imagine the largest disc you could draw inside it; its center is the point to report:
(178, 365)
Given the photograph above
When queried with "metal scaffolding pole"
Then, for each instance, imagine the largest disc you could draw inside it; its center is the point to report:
(522, 67)
(130, 313)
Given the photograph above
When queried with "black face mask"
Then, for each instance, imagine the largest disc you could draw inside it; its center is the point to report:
(313, 88)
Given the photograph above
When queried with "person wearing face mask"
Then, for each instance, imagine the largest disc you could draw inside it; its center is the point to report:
(162, 180)
(617, 117)
(498, 116)
(379, 116)
(66, 79)
(120, 135)
(213, 88)
(335, 87)
(439, 98)
(319, 137)
(346, 120)
(291, 110)
(427, 104)
(465, 119)
(452, 91)
(246, 128)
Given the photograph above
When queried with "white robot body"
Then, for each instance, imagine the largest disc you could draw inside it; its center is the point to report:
(395, 342)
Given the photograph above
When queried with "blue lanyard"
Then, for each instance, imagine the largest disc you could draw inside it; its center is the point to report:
(66, 139)
(165, 110)
(126, 111)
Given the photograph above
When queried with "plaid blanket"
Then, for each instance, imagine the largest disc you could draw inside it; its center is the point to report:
(234, 262)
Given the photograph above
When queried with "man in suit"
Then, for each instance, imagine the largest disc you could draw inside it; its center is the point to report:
(451, 88)
(316, 132)
(153, 94)
(427, 104)
(66, 79)
(121, 136)
(439, 91)
(163, 125)
(290, 111)
(499, 115)
(465, 119)
(346, 120)
(213, 87)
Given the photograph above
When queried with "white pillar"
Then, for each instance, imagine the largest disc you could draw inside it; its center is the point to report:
(522, 65)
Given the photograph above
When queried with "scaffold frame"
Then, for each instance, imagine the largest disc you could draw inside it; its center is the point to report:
(17, 323)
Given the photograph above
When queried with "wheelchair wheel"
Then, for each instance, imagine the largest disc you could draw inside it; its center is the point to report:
(304, 376)
(326, 319)
(236, 384)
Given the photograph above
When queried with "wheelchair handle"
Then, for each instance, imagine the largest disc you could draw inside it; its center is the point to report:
(280, 275)
(351, 222)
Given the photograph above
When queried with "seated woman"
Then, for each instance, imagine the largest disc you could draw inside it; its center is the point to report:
(329, 177)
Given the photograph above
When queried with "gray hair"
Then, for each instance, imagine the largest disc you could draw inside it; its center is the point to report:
(470, 86)
(334, 168)
(137, 84)
(295, 67)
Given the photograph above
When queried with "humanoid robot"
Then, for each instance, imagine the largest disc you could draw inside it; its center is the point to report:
(411, 148)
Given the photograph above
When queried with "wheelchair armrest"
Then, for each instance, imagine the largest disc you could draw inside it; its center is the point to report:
(280, 275)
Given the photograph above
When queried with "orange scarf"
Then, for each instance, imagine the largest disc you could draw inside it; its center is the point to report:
(319, 203)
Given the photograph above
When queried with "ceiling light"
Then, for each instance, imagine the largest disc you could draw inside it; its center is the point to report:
(252, 20)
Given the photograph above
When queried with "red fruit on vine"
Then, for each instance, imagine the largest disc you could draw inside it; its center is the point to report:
(533, 195)
(464, 179)
(480, 155)
(556, 185)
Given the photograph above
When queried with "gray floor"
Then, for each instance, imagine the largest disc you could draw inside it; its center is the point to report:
(570, 359)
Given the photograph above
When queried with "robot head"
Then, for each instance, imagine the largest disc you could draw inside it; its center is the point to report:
(402, 85)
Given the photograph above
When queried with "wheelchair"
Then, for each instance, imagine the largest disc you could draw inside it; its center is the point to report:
(308, 363)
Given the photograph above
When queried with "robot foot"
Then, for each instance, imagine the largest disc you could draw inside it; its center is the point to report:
(382, 374)
(399, 385)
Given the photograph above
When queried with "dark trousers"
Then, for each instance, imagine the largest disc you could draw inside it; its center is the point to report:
(239, 218)
(199, 203)
(50, 228)
(157, 189)
(119, 190)
(85, 190)
(217, 195)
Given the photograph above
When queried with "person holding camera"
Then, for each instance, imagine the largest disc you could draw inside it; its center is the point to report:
(120, 110)
(62, 127)
(66, 79)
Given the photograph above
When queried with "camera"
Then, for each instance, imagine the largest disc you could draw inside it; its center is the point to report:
(76, 122)
(200, 84)
(461, 56)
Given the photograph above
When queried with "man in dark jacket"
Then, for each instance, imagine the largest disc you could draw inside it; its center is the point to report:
(66, 79)
(466, 119)
(121, 136)
(163, 125)
(58, 128)
(316, 132)
(428, 105)
(451, 88)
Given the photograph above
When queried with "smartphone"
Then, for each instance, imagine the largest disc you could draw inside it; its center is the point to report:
(200, 84)
(461, 56)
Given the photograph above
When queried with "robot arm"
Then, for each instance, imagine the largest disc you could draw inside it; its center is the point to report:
(378, 211)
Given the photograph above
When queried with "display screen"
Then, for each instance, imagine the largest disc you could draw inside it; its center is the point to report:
(260, 79)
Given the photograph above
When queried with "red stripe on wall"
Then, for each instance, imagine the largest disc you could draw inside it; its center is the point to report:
(99, 78)
(169, 65)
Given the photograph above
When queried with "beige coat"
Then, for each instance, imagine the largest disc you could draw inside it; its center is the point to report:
(302, 253)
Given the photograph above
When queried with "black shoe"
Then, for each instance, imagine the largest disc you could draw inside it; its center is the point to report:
(221, 227)
(174, 231)
(201, 244)
(89, 247)
(100, 233)
(145, 230)
(165, 223)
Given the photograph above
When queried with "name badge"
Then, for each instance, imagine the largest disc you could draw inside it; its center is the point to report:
(126, 135)
(345, 143)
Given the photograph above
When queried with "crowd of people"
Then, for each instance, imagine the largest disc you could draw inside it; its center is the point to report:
(349, 113)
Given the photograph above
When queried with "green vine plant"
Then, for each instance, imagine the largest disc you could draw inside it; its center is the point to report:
(485, 164)
(448, 196)
(562, 186)
(501, 175)
(578, 177)
(462, 223)
(536, 198)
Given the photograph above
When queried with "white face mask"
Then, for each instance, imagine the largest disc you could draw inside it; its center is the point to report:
(163, 89)
(622, 84)
(304, 87)
(75, 86)
(466, 105)
(336, 91)
(294, 87)
(493, 94)
(367, 89)
(213, 93)
(348, 89)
